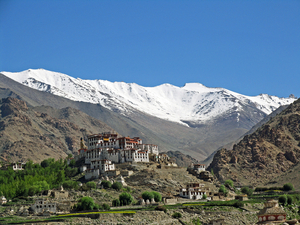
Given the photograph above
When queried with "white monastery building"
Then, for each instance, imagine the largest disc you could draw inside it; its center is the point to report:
(107, 148)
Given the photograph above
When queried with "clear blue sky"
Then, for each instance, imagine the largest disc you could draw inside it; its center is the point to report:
(250, 47)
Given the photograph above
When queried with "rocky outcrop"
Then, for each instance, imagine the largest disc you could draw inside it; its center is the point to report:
(31, 133)
(268, 152)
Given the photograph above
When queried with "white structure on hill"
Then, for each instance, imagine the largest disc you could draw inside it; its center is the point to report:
(193, 191)
(107, 148)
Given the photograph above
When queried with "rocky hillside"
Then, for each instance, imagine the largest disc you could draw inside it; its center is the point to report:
(270, 151)
(181, 159)
(32, 133)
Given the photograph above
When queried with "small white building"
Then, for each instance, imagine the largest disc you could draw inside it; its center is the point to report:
(18, 166)
(199, 167)
(193, 191)
(3, 200)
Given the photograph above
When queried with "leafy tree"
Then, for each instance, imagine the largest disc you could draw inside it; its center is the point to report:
(290, 199)
(147, 195)
(117, 186)
(288, 187)
(282, 199)
(229, 183)
(125, 198)
(105, 206)
(32, 191)
(116, 202)
(156, 196)
(106, 184)
(70, 184)
(72, 163)
(60, 177)
(222, 189)
(71, 172)
(86, 203)
(247, 190)
(91, 185)
(204, 196)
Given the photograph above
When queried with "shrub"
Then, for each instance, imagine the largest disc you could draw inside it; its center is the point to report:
(247, 191)
(105, 206)
(70, 184)
(238, 204)
(282, 199)
(204, 196)
(229, 183)
(288, 187)
(176, 215)
(161, 208)
(147, 195)
(125, 198)
(91, 185)
(223, 190)
(290, 199)
(116, 202)
(71, 172)
(156, 196)
(106, 184)
(127, 189)
(86, 203)
(117, 186)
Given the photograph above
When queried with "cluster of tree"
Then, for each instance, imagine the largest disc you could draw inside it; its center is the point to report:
(147, 195)
(125, 198)
(289, 199)
(87, 203)
(116, 185)
(248, 191)
(285, 187)
(35, 178)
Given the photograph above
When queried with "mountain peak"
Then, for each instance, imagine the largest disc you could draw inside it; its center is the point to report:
(192, 102)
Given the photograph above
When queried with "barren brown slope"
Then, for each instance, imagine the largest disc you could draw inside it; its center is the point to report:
(26, 133)
(270, 151)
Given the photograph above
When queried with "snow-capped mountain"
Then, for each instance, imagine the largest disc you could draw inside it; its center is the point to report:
(193, 103)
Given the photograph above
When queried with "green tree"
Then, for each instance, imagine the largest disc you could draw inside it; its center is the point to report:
(156, 196)
(147, 195)
(106, 184)
(204, 196)
(105, 206)
(288, 187)
(72, 163)
(70, 184)
(116, 202)
(246, 190)
(71, 172)
(125, 198)
(223, 190)
(229, 183)
(91, 185)
(290, 199)
(117, 186)
(86, 203)
(282, 199)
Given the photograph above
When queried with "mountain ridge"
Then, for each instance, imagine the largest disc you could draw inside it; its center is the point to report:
(193, 103)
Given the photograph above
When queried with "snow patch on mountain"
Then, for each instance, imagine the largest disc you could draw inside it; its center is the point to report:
(192, 102)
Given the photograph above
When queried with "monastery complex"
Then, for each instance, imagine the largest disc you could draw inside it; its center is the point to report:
(103, 150)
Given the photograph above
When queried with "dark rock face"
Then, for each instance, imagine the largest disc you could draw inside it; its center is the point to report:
(268, 152)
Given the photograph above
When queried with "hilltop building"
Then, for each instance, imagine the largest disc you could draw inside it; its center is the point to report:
(105, 149)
